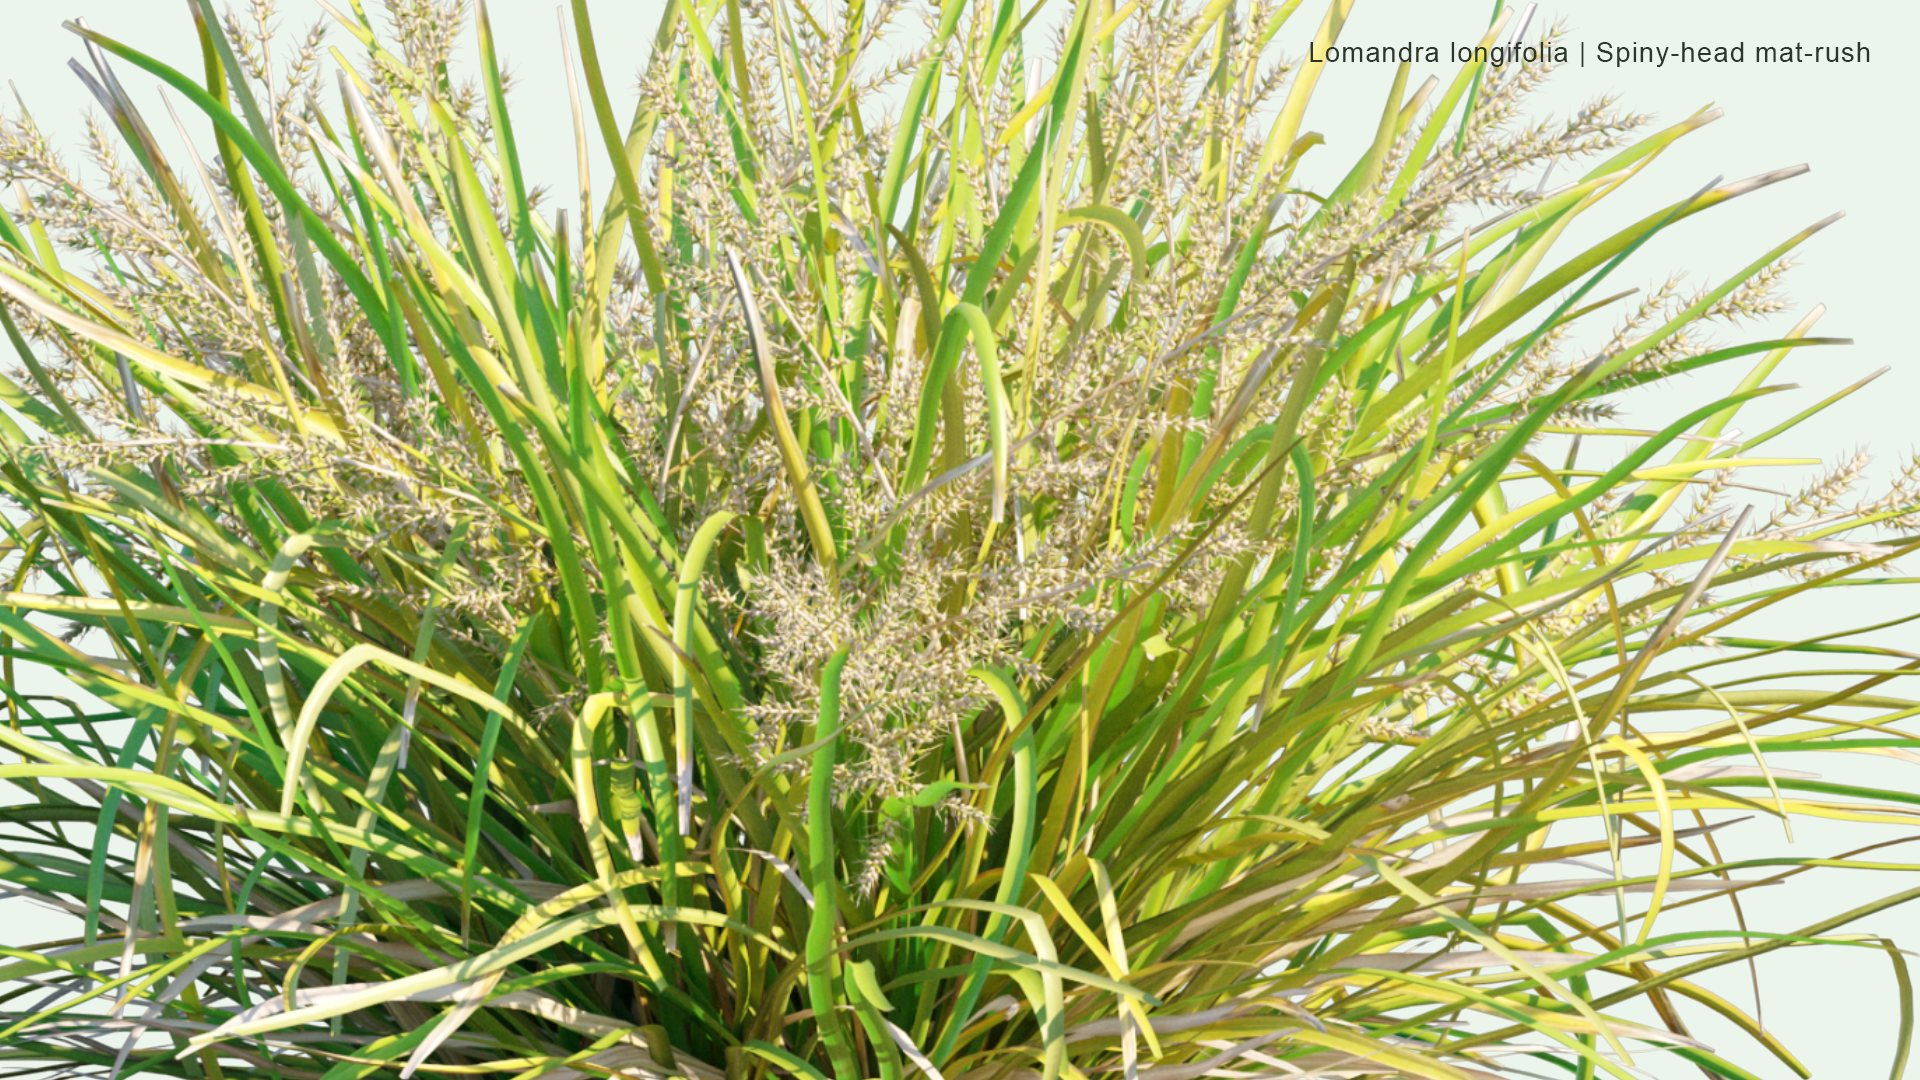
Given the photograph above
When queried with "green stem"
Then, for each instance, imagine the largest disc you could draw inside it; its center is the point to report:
(820, 871)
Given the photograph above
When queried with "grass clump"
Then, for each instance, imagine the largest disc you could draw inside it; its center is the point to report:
(952, 565)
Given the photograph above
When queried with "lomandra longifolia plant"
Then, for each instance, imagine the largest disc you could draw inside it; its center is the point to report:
(951, 564)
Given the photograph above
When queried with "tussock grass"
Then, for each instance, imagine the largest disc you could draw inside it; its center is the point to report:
(953, 565)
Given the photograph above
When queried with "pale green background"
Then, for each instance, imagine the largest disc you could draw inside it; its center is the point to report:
(1854, 125)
